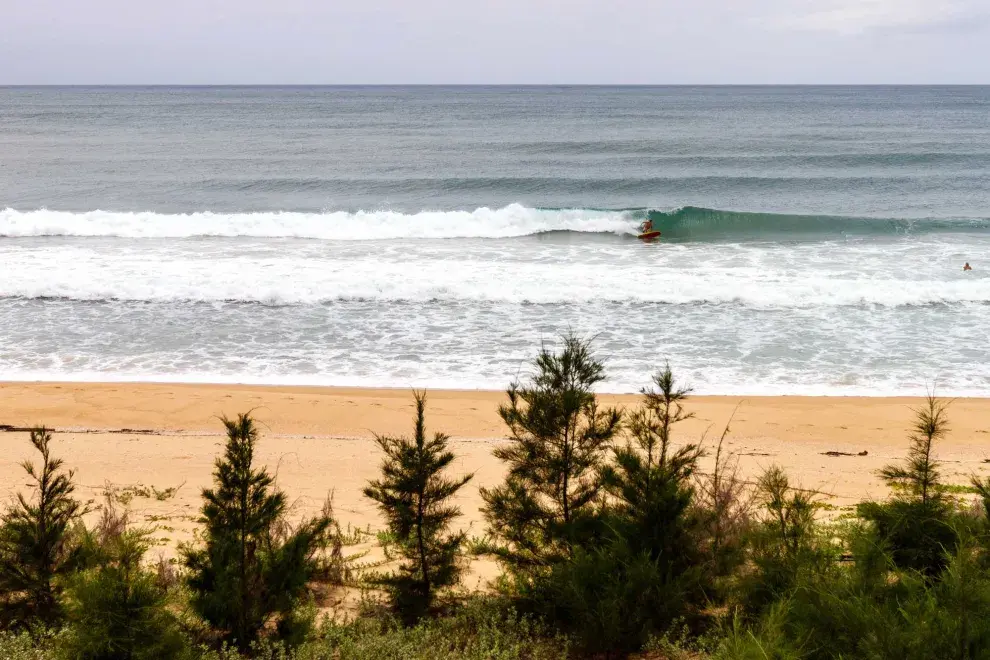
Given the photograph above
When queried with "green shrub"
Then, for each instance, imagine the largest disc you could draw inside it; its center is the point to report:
(117, 611)
(37, 645)
(611, 600)
(768, 640)
(786, 543)
(482, 630)
(650, 483)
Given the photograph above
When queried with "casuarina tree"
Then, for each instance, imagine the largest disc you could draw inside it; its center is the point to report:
(558, 440)
(38, 549)
(251, 571)
(916, 524)
(650, 481)
(414, 495)
(646, 571)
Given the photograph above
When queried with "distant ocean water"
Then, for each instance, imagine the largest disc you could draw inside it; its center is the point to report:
(813, 237)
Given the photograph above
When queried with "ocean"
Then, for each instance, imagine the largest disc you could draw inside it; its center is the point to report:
(813, 237)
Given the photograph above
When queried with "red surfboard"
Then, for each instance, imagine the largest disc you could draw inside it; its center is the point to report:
(649, 236)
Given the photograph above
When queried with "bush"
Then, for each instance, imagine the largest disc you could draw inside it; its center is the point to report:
(118, 612)
(723, 506)
(611, 600)
(483, 629)
(786, 544)
(38, 645)
(650, 482)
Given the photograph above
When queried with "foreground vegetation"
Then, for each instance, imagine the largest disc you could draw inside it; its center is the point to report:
(612, 542)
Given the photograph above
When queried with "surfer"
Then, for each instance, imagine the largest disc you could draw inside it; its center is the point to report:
(966, 266)
(646, 227)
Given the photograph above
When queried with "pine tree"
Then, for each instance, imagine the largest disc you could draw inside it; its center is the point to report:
(38, 548)
(250, 572)
(414, 497)
(651, 482)
(647, 571)
(916, 523)
(920, 474)
(558, 440)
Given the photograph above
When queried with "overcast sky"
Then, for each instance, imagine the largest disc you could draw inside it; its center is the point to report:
(496, 41)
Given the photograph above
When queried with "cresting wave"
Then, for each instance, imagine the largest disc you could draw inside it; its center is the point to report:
(685, 224)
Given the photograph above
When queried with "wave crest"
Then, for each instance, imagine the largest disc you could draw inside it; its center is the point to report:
(511, 221)
(689, 223)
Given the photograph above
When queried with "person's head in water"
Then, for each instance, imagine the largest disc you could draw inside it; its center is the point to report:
(966, 266)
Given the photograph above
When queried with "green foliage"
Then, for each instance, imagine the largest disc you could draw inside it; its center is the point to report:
(37, 645)
(333, 567)
(117, 611)
(38, 549)
(482, 630)
(786, 543)
(767, 641)
(651, 483)
(252, 570)
(982, 488)
(878, 612)
(558, 440)
(648, 571)
(610, 599)
(414, 496)
(723, 504)
(920, 473)
(917, 524)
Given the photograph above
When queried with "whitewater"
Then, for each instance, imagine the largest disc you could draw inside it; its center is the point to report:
(301, 236)
(457, 257)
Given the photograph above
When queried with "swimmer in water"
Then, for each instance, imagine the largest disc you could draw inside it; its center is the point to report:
(967, 266)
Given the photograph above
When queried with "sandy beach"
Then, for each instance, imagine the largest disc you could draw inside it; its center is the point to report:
(155, 443)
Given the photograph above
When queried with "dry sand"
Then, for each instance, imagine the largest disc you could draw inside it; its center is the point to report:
(143, 438)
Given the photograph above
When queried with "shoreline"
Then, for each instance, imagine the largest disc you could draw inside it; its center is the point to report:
(771, 391)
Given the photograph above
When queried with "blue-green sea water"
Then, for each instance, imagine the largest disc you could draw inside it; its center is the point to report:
(813, 237)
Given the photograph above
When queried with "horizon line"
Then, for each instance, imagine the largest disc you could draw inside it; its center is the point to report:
(479, 85)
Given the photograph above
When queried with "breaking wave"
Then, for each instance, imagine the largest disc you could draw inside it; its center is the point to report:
(685, 224)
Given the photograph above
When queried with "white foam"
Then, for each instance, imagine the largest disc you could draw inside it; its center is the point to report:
(556, 275)
(727, 382)
(510, 221)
